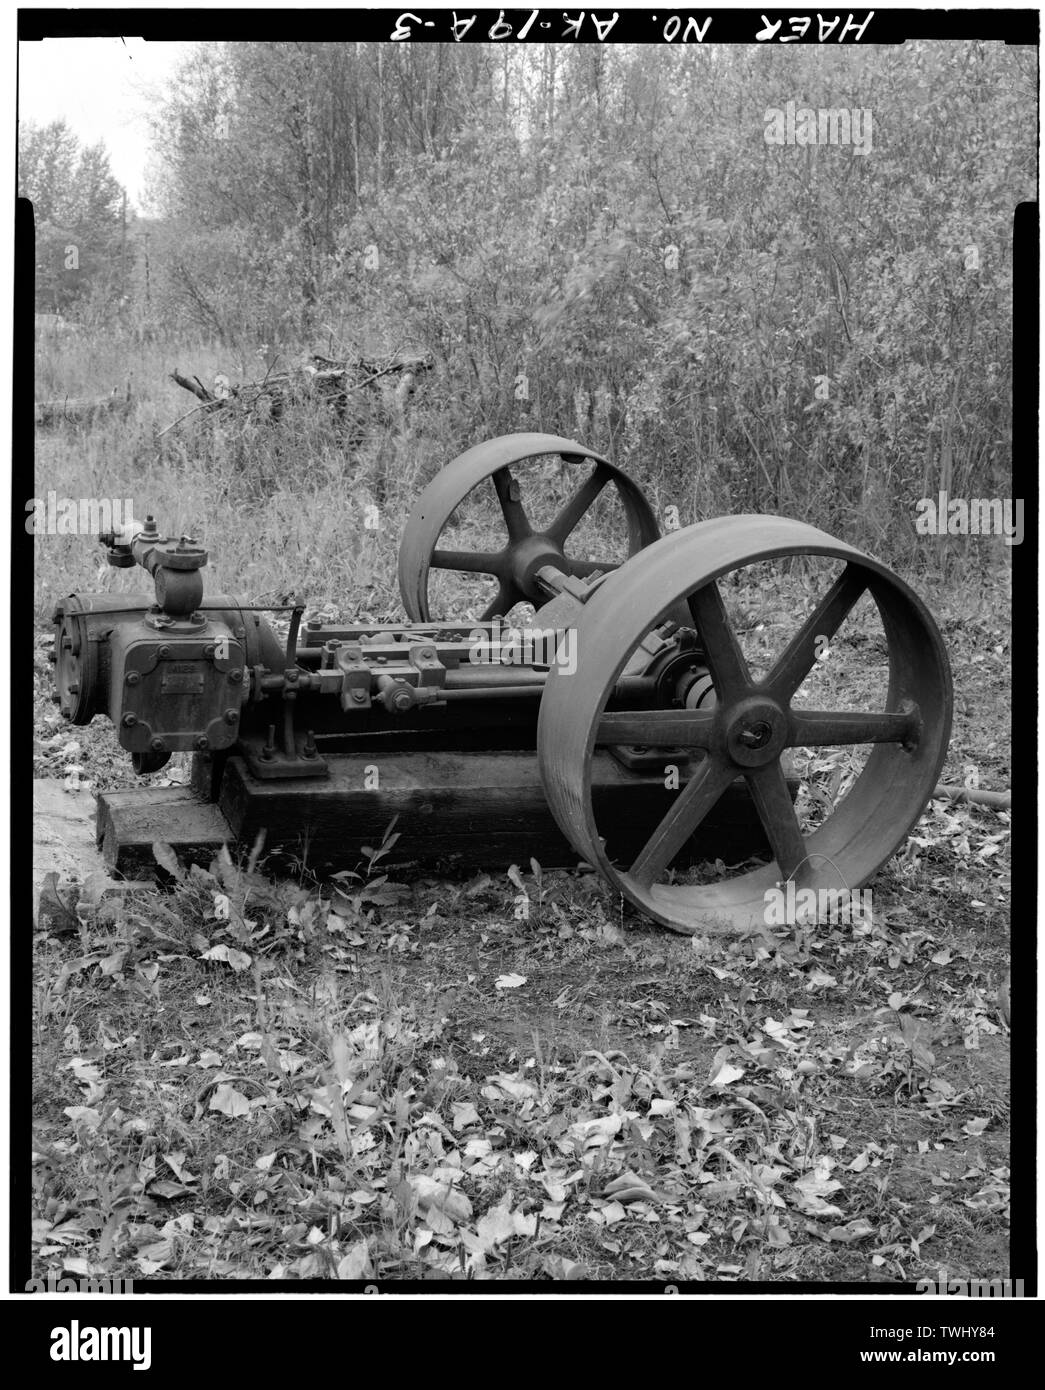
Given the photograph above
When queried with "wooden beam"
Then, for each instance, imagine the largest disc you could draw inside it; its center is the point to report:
(129, 823)
(470, 810)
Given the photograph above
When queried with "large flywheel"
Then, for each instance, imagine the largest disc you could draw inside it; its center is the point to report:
(871, 749)
(507, 545)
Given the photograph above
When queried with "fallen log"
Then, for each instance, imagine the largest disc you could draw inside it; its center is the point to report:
(79, 409)
(1000, 801)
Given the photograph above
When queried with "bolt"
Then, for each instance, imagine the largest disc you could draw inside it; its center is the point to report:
(163, 652)
(231, 716)
(756, 736)
(210, 649)
(202, 744)
(132, 677)
(235, 677)
(158, 745)
(359, 696)
(129, 721)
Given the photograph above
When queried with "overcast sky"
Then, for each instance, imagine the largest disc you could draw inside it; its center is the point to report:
(103, 88)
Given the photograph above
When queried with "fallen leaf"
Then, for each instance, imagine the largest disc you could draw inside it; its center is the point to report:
(112, 965)
(465, 1114)
(852, 1230)
(593, 1133)
(356, 1262)
(83, 1114)
(239, 960)
(229, 1101)
(441, 1195)
(727, 1074)
(164, 1187)
(167, 859)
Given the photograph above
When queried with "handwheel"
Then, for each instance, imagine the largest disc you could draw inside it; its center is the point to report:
(758, 718)
(514, 563)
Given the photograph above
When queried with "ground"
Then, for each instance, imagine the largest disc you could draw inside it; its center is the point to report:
(240, 1078)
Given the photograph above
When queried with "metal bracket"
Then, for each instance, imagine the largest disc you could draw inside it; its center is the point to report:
(639, 758)
(277, 765)
(355, 678)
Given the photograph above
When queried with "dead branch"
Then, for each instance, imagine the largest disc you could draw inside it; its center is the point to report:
(195, 386)
(333, 380)
(1001, 801)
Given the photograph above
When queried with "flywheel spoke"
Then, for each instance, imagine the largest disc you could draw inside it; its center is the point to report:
(722, 651)
(810, 728)
(693, 803)
(568, 519)
(511, 507)
(769, 791)
(506, 598)
(468, 561)
(800, 656)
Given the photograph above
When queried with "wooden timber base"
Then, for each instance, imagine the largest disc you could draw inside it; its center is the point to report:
(456, 811)
(461, 810)
(130, 823)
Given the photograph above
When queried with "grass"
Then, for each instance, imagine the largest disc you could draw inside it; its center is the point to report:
(238, 1077)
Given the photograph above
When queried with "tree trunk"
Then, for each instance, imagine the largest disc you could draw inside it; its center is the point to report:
(380, 122)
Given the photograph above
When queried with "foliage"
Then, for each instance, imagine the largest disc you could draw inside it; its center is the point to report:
(389, 1083)
(78, 212)
(602, 243)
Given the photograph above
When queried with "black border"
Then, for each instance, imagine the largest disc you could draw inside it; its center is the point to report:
(632, 26)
